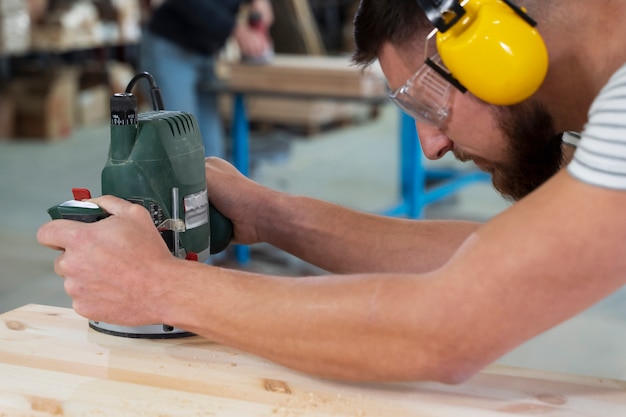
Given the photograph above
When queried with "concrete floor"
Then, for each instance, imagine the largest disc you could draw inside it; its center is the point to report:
(355, 166)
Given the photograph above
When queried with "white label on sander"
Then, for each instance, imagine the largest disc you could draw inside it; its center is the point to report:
(196, 209)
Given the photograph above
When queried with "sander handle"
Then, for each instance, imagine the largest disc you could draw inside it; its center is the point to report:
(221, 230)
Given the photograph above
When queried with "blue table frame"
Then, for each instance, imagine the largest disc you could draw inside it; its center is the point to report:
(414, 176)
(414, 195)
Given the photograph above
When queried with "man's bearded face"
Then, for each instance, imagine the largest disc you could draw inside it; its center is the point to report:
(534, 149)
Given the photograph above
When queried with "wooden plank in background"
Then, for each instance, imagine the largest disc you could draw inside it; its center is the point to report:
(295, 30)
(312, 75)
(310, 115)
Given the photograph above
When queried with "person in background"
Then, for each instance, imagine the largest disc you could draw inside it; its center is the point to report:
(180, 45)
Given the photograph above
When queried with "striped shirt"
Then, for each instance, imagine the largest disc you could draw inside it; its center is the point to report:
(600, 158)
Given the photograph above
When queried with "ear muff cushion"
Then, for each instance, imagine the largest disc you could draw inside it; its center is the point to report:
(494, 53)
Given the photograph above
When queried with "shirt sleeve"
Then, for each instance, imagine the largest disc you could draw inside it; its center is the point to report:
(600, 158)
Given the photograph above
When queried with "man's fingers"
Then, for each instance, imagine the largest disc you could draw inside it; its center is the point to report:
(112, 205)
(58, 265)
(214, 161)
(57, 234)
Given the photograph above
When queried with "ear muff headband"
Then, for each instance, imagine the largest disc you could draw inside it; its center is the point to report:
(491, 47)
(442, 13)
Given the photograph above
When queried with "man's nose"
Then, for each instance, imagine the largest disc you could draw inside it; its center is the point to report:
(435, 144)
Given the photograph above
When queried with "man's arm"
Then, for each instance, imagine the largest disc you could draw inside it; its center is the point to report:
(544, 260)
(337, 239)
(555, 253)
(343, 240)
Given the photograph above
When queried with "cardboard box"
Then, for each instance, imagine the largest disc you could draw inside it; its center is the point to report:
(120, 74)
(45, 104)
(10, 6)
(7, 115)
(14, 29)
(37, 10)
(128, 19)
(68, 25)
(92, 106)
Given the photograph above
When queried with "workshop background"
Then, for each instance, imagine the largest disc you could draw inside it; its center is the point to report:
(60, 61)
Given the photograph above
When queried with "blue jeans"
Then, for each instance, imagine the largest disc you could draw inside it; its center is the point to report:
(178, 73)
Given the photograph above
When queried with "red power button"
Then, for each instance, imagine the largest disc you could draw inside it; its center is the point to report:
(81, 194)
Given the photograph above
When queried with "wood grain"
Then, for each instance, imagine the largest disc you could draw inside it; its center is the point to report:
(52, 364)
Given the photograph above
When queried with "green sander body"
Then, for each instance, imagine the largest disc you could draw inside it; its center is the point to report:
(156, 159)
(158, 162)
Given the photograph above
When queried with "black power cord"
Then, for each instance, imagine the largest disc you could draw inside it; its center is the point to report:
(155, 92)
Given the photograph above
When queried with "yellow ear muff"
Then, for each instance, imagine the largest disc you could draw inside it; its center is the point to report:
(494, 53)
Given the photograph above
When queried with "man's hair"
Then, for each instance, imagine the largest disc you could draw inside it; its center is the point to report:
(377, 22)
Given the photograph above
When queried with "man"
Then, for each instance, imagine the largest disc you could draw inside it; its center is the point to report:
(432, 300)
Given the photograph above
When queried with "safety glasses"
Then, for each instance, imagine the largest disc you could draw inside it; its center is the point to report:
(427, 95)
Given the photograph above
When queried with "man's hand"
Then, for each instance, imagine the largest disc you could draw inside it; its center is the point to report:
(255, 42)
(263, 8)
(238, 198)
(251, 42)
(111, 267)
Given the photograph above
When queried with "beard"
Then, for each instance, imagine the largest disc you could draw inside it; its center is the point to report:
(534, 150)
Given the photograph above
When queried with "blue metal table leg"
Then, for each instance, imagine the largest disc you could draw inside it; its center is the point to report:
(414, 195)
(241, 157)
(413, 174)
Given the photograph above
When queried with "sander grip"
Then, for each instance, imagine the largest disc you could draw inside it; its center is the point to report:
(221, 230)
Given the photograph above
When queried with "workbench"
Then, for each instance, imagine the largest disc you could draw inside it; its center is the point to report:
(52, 363)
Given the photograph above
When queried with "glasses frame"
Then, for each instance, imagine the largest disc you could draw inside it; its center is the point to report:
(431, 106)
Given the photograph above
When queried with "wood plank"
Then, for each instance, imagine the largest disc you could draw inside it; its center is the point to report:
(308, 114)
(295, 30)
(51, 363)
(321, 76)
(308, 26)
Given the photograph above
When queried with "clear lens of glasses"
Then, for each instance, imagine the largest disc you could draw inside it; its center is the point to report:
(426, 96)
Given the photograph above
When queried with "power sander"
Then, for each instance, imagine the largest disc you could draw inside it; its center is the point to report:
(156, 159)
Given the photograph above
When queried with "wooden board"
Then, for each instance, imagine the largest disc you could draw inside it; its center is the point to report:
(295, 30)
(312, 75)
(52, 364)
(311, 115)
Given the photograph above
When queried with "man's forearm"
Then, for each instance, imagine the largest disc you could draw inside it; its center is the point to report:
(347, 241)
(509, 281)
(349, 327)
